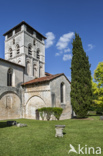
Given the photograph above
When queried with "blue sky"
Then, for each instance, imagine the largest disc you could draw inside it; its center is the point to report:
(58, 20)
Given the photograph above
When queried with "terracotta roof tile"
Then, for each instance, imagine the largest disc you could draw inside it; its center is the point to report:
(47, 74)
(43, 79)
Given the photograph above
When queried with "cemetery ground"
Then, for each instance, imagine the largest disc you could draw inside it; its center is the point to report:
(38, 138)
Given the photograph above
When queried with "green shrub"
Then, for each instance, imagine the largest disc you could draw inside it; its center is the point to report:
(48, 111)
(57, 112)
(41, 112)
(92, 108)
(99, 110)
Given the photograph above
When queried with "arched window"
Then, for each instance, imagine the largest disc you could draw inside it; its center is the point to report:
(30, 50)
(34, 42)
(13, 41)
(38, 54)
(18, 49)
(10, 51)
(62, 91)
(28, 68)
(9, 77)
(35, 70)
(40, 71)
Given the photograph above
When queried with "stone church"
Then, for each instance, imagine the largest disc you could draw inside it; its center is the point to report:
(24, 84)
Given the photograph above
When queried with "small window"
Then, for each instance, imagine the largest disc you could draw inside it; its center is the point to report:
(39, 36)
(35, 70)
(53, 99)
(34, 42)
(62, 91)
(30, 30)
(17, 29)
(40, 71)
(18, 49)
(9, 77)
(30, 50)
(28, 68)
(10, 51)
(13, 41)
(38, 54)
(9, 34)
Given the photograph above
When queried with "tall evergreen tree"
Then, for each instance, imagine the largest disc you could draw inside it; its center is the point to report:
(81, 86)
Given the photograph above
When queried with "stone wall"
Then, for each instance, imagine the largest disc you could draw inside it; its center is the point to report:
(47, 95)
(36, 96)
(10, 103)
(24, 39)
(18, 74)
(56, 97)
(19, 39)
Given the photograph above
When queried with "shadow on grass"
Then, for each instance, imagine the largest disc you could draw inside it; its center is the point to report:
(3, 125)
(89, 115)
(75, 117)
(94, 115)
(64, 133)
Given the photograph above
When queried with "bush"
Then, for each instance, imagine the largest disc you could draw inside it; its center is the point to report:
(92, 108)
(48, 111)
(99, 110)
(45, 111)
(41, 112)
(57, 112)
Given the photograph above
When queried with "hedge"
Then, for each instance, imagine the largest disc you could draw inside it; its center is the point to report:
(48, 111)
(57, 112)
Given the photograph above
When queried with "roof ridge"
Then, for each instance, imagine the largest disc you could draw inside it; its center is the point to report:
(43, 79)
(12, 62)
(23, 22)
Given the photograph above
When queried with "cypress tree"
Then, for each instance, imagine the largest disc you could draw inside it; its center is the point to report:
(81, 86)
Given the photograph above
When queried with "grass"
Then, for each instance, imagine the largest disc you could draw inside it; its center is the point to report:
(38, 139)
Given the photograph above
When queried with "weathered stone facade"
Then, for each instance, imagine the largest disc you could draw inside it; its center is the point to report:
(55, 90)
(10, 103)
(20, 100)
(36, 96)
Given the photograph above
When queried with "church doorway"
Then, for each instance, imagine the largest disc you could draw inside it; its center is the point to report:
(37, 114)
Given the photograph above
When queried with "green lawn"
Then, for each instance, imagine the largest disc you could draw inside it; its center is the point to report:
(38, 139)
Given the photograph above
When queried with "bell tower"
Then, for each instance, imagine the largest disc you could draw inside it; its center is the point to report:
(24, 45)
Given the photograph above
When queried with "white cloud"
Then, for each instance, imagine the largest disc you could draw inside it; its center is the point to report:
(67, 50)
(50, 39)
(67, 57)
(58, 54)
(64, 40)
(90, 47)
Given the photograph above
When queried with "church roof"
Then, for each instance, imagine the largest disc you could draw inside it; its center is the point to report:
(12, 62)
(23, 22)
(47, 74)
(44, 79)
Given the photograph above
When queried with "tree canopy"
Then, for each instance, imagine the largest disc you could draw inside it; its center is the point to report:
(97, 86)
(81, 86)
